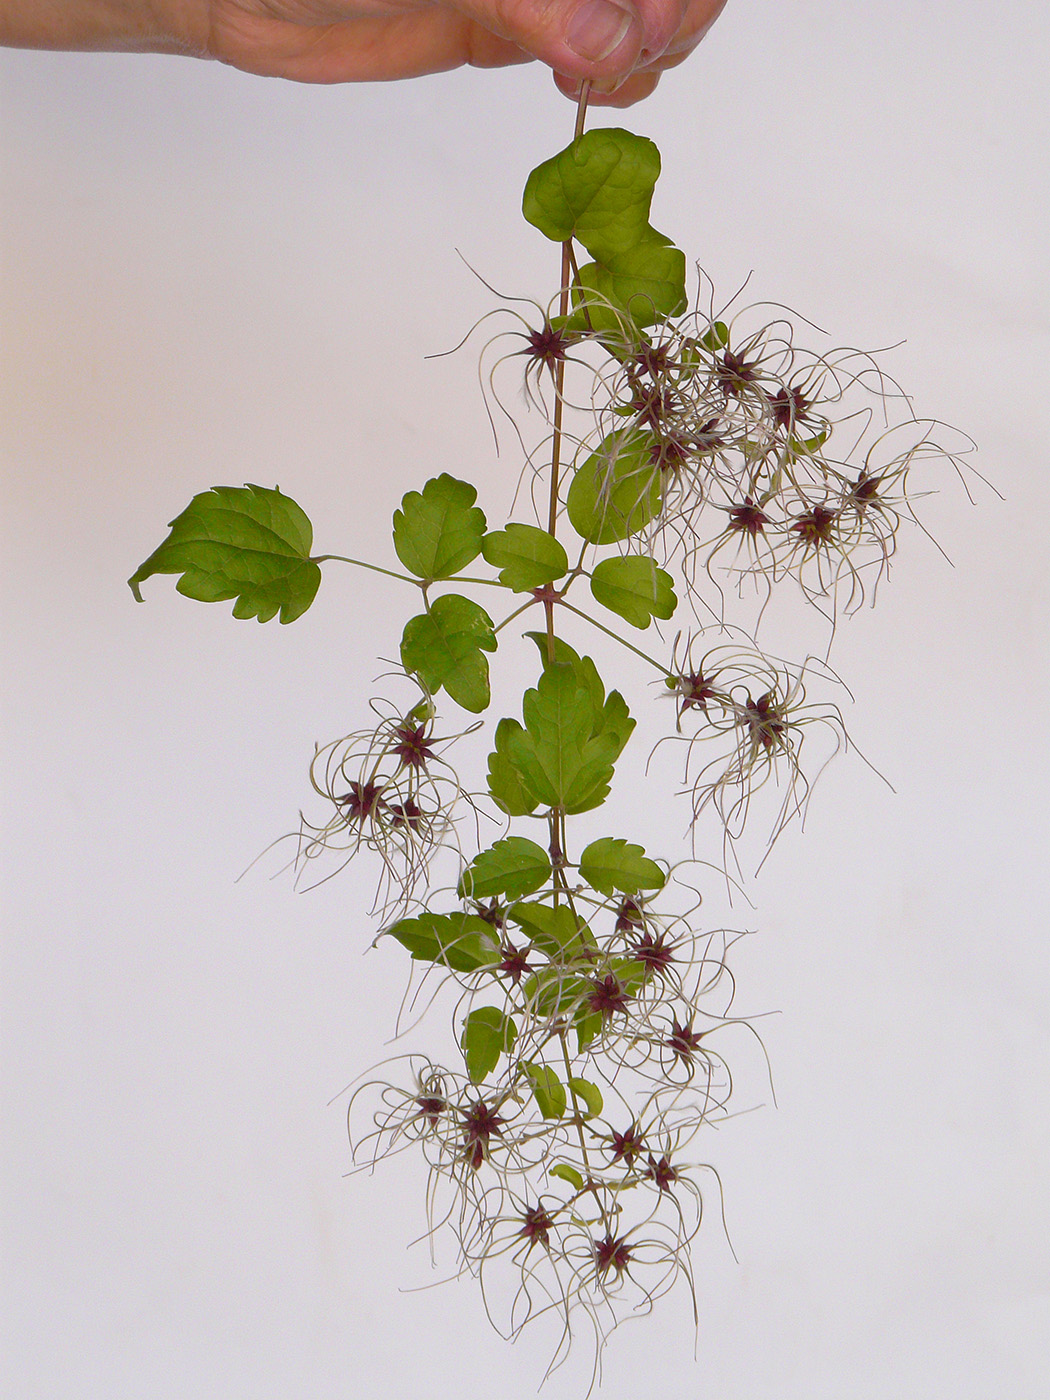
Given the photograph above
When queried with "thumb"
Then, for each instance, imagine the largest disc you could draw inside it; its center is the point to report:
(582, 38)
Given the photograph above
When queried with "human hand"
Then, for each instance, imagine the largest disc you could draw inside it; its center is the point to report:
(622, 47)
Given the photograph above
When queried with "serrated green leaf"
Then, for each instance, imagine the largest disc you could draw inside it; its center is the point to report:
(558, 721)
(617, 490)
(611, 715)
(506, 783)
(526, 556)
(611, 864)
(512, 867)
(464, 942)
(439, 530)
(249, 543)
(487, 1034)
(555, 930)
(590, 1094)
(635, 589)
(547, 1089)
(444, 648)
(599, 191)
(566, 1173)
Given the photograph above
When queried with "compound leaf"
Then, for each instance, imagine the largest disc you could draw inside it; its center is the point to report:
(512, 867)
(249, 543)
(464, 942)
(547, 1090)
(635, 589)
(611, 864)
(444, 648)
(439, 530)
(616, 491)
(526, 556)
(487, 1034)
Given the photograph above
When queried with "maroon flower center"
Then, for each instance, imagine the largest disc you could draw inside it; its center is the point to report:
(430, 1107)
(362, 801)
(480, 1123)
(788, 406)
(683, 1040)
(748, 519)
(653, 952)
(626, 1146)
(816, 526)
(607, 996)
(536, 1225)
(412, 747)
(515, 963)
(610, 1253)
(661, 1172)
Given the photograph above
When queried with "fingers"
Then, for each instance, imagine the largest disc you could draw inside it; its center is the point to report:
(603, 39)
(624, 91)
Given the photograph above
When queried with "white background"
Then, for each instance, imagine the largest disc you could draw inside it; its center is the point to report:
(210, 278)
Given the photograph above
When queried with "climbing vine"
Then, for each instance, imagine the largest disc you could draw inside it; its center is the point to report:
(688, 457)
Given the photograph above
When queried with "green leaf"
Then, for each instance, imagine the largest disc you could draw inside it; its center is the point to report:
(716, 337)
(617, 490)
(526, 556)
(612, 864)
(553, 991)
(555, 930)
(512, 867)
(547, 1090)
(487, 1034)
(611, 716)
(647, 282)
(588, 1024)
(506, 784)
(599, 190)
(439, 530)
(443, 647)
(590, 1094)
(566, 1173)
(464, 942)
(248, 543)
(635, 589)
(559, 760)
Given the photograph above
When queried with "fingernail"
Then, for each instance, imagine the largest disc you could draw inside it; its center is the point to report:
(598, 28)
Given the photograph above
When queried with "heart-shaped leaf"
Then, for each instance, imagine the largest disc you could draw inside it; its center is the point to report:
(599, 191)
(547, 1090)
(464, 942)
(589, 1093)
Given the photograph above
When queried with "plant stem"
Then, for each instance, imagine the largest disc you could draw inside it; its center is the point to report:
(616, 637)
(342, 559)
